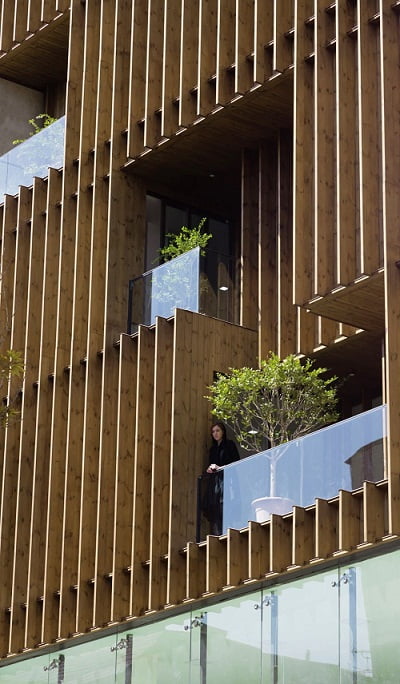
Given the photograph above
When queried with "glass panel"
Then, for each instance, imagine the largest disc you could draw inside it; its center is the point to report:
(161, 652)
(92, 661)
(340, 456)
(32, 158)
(233, 641)
(301, 632)
(30, 671)
(369, 621)
(192, 281)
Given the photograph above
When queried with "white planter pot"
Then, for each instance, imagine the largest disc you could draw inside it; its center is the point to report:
(266, 505)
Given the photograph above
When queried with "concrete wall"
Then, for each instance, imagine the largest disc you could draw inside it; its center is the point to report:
(18, 104)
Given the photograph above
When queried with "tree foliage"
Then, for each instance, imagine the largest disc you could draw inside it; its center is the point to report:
(38, 123)
(11, 366)
(275, 403)
(185, 240)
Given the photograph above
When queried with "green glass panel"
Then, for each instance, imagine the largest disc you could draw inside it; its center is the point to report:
(300, 632)
(92, 661)
(30, 671)
(370, 619)
(161, 652)
(233, 641)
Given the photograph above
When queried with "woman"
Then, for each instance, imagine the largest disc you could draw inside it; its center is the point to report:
(222, 452)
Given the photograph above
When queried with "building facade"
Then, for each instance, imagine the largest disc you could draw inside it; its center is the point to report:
(278, 122)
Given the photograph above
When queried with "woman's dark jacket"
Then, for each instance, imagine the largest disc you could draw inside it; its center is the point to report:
(223, 453)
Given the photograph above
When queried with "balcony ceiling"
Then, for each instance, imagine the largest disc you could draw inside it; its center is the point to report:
(211, 148)
(360, 304)
(41, 59)
(356, 359)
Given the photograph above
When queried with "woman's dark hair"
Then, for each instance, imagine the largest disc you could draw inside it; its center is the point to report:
(220, 425)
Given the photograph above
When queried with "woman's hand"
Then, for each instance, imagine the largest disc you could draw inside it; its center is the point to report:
(212, 468)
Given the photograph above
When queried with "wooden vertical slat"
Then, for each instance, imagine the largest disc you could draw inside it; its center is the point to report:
(160, 467)
(225, 65)
(347, 215)
(263, 34)
(195, 570)
(207, 60)
(390, 106)
(259, 550)
(142, 472)
(34, 11)
(20, 20)
(154, 72)
(307, 324)
(72, 386)
(10, 436)
(374, 508)
(349, 521)
(170, 66)
(283, 40)
(107, 383)
(281, 535)
(40, 463)
(181, 445)
(244, 41)
(371, 251)
(286, 310)
(326, 528)
(216, 559)
(69, 374)
(324, 160)
(189, 55)
(303, 542)
(303, 156)
(125, 258)
(124, 477)
(327, 331)
(267, 266)
(22, 482)
(249, 234)
(51, 574)
(47, 12)
(137, 83)
(237, 557)
(6, 26)
(62, 5)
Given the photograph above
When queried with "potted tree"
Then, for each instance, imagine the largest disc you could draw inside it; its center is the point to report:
(269, 406)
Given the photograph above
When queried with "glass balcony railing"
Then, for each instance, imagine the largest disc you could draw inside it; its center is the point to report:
(341, 456)
(33, 157)
(192, 281)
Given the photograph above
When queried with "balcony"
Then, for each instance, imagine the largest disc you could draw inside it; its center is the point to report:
(199, 280)
(31, 158)
(341, 456)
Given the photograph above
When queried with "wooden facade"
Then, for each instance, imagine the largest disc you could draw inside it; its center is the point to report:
(281, 115)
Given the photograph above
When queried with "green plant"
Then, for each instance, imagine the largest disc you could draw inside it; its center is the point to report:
(46, 120)
(185, 240)
(273, 404)
(11, 366)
